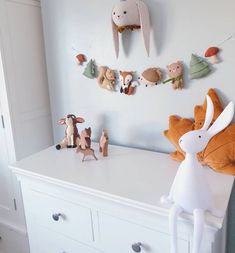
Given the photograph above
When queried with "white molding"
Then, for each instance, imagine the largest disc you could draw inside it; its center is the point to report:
(18, 229)
(22, 174)
(27, 2)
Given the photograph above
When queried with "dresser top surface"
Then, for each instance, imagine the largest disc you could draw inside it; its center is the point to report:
(134, 176)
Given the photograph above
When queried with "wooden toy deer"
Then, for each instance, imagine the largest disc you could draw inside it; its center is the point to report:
(190, 191)
(85, 144)
(104, 141)
(71, 138)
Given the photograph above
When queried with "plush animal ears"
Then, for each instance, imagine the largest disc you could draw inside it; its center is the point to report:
(79, 120)
(221, 122)
(130, 14)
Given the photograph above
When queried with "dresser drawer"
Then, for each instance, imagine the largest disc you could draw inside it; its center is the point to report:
(61, 216)
(120, 236)
(42, 240)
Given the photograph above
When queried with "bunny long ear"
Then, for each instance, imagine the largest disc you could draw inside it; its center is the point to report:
(223, 120)
(115, 38)
(144, 23)
(209, 113)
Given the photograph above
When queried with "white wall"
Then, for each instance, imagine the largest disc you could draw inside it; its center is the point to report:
(179, 28)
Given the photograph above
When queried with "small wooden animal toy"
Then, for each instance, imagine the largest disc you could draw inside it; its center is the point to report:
(80, 58)
(150, 77)
(130, 15)
(127, 85)
(175, 72)
(85, 144)
(86, 152)
(190, 191)
(104, 142)
(106, 78)
(71, 138)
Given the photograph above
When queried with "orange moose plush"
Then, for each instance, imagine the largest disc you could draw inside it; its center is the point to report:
(220, 151)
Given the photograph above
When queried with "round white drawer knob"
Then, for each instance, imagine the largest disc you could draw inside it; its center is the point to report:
(136, 247)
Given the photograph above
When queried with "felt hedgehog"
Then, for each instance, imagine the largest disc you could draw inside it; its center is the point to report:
(150, 77)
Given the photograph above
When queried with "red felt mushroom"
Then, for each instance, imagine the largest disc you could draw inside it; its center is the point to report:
(211, 53)
(80, 58)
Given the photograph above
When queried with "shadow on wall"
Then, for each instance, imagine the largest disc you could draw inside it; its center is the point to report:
(158, 13)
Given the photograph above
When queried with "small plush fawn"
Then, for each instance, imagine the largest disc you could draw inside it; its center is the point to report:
(190, 191)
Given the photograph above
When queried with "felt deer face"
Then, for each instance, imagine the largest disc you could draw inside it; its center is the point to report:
(130, 14)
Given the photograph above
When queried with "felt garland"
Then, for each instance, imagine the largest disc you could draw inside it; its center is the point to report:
(199, 68)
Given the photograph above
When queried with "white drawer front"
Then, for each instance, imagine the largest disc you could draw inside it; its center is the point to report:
(43, 240)
(73, 221)
(118, 236)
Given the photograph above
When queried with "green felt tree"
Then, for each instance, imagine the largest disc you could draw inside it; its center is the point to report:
(198, 67)
(90, 70)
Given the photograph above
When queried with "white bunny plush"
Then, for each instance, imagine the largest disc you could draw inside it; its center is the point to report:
(130, 14)
(190, 191)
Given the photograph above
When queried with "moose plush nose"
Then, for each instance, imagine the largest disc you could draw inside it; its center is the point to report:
(118, 16)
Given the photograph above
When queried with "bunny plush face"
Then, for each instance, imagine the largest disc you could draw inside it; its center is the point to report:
(194, 141)
(125, 14)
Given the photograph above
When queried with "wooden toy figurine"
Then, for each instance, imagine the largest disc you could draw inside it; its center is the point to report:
(190, 191)
(72, 136)
(104, 141)
(85, 144)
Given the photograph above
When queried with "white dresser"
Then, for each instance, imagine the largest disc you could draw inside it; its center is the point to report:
(110, 205)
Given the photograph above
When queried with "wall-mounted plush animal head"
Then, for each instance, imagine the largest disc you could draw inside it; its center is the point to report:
(130, 14)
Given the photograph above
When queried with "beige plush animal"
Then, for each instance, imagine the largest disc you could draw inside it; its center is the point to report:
(106, 78)
(72, 136)
(175, 72)
(151, 77)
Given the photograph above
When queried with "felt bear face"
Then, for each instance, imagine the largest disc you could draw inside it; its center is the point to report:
(126, 13)
(174, 69)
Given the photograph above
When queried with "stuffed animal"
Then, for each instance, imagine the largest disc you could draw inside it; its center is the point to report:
(151, 77)
(106, 78)
(190, 191)
(72, 136)
(130, 14)
(84, 146)
(104, 141)
(175, 72)
(127, 85)
(219, 153)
